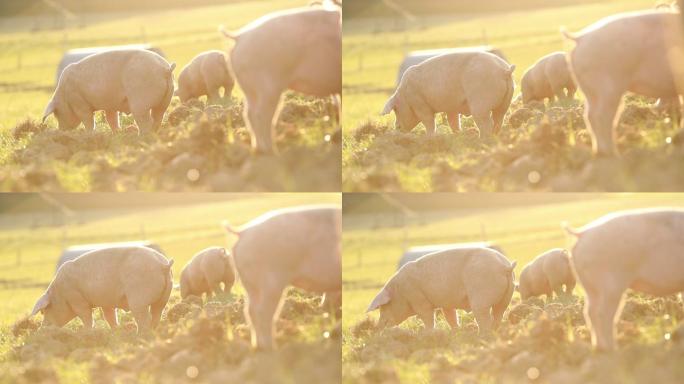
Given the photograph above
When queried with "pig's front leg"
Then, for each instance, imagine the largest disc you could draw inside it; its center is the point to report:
(452, 318)
(427, 315)
(110, 316)
(454, 119)
(86, 316)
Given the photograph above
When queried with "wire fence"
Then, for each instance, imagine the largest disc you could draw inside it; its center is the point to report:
(41, 246)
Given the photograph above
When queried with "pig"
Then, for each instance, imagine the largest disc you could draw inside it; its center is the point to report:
(205, 272)
(639, 52)
(206, 74)
(477, 279)
(297, 246)
(125, 80)
(639, 249)
(138, 279)
(298, 49)
(549, 77)
(546, 274)
(469, 83)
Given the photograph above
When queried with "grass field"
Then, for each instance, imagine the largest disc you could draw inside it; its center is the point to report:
(376, 157)
(550, 337)
(30, 50)
(28, 257)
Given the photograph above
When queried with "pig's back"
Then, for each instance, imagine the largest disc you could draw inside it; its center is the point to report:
(631, 237)
(298, 231)
(629, 43)
(100, 273)
(440, 275)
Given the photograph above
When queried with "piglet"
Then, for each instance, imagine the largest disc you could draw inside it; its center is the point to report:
(138, 279)
(296, 246)
(642, 250)
(206, 74)
(547, 273)
(205, 272)
(480, 280)
(549, 77)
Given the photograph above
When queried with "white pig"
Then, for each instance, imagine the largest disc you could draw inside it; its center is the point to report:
(477, 279)
(296, 246)
(464, 83)
(138, 279)
(638, 52)
(642, 250)
(549, 77)
(127, 80)
(547, 273)
(205, 272)
(206, 74)
(298, 49)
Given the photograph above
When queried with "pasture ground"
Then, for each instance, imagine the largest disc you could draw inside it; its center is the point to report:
(538, 341)
(209, 335)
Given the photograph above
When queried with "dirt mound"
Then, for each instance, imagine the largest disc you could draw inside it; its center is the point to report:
(538, 148)
(194, 342)
(545, 342)
(198, 147)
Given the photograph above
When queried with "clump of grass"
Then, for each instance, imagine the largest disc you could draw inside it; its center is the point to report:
(538, 341)
(198, 147)
(196, 340)
(540, 147)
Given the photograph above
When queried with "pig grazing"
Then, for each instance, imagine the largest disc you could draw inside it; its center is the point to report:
(477, 279)
(206, 271)
(138, 279)
(634, 52)
(549, 77)
(298, 49)
(127, 80)
(206, 74)
(642, 250)
(296, 246)
(469, 83)
(547, 273)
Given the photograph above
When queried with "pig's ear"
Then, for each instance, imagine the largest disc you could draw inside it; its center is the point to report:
(49, 109)
(381, 299)
(226, 254)
(41, 304)
(389, 106)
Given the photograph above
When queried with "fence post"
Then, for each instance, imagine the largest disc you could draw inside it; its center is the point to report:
(18, 257)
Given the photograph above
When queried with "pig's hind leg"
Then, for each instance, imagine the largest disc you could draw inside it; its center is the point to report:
(603, 304)
(262, 309)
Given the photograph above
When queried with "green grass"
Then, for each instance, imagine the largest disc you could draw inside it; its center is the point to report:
(29, 252)
(375, 157)
(372, 246)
